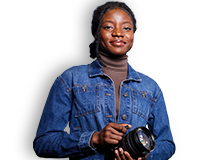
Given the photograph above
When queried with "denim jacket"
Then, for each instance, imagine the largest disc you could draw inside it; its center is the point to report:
(84, 96)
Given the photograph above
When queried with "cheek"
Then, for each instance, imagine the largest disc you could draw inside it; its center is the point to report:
(129, 35)
(130, 40)
(104, 38)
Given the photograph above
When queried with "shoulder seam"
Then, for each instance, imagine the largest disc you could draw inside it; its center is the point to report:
(64, 83)
(157, 96)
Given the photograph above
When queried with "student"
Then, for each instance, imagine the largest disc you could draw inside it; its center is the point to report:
(101, 98)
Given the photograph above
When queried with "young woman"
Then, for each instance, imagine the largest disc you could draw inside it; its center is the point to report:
(101, 98)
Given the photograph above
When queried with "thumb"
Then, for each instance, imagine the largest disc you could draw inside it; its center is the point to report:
(125, 125)
(128, 126)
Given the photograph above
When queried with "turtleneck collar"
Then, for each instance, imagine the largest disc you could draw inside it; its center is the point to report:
(117, 63)
(113, 62)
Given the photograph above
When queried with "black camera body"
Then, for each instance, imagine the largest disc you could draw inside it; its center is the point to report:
(139, 142)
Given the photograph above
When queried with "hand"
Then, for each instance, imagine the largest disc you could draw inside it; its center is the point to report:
(124, 155)
(111, 134)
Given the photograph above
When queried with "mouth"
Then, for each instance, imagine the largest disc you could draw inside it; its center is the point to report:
(118, 43)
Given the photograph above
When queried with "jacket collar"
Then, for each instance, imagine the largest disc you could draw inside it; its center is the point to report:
(95, 70)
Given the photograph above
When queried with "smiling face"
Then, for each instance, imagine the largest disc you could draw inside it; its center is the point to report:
(117, 32)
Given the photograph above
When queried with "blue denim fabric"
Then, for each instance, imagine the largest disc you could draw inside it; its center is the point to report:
(84, 96)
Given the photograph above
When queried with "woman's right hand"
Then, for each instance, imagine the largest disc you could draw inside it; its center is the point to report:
(111, 134)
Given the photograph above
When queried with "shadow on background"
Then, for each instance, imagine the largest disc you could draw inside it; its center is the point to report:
(76, 53)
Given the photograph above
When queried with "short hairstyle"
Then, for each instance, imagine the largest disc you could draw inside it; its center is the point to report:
(97, 20)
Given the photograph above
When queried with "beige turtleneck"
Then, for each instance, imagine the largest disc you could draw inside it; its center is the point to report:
(117, 69)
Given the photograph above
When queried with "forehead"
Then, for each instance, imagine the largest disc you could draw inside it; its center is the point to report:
(116, 14)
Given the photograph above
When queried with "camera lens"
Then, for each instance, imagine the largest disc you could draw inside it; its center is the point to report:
(144, 139)
(138, 142)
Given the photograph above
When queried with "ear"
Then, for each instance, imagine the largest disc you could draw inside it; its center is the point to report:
(95, 36)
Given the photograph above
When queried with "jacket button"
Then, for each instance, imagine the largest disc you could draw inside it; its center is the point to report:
(84, 88)
(143, 94)
(124, 116)
(125, 94)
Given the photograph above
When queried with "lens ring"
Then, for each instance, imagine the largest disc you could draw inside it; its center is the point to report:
(138, 142)
(127, 144)
(144, 139)
(150, 138)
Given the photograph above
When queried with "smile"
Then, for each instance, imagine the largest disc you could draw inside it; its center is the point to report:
(117, 43)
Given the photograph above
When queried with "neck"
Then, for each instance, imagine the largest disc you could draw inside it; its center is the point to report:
(113, 62)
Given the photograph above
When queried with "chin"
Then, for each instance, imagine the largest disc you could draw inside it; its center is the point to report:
(119, 52)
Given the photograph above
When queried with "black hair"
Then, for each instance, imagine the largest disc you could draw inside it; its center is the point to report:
(97, 20)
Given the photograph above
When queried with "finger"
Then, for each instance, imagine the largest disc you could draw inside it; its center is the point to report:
(111, 141)
(120, 127)
(112, 134)
(117, 155)
(115, 137)
(109, 138)
(114, 131)
(127, 155)
(142, 158)
(121, 153)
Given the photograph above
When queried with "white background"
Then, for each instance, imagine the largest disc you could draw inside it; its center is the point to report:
(175, 44)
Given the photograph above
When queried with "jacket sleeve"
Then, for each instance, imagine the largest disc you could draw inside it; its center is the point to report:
(51, 140)
(159, 126)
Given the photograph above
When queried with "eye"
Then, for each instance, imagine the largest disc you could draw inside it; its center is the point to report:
(127, 28)
(107, 27)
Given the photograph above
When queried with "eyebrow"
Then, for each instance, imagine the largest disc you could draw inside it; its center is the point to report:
(107, 21)
(128, 22)
(112, 22)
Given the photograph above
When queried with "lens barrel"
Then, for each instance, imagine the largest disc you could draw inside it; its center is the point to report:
(138, 142)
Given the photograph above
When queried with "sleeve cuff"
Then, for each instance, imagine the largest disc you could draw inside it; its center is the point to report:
(85, 145)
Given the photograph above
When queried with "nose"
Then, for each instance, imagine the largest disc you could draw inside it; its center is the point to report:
(117, 32)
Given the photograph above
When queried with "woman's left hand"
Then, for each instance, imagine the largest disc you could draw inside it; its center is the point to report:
(124, 155)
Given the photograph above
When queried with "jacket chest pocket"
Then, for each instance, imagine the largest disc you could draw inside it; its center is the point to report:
(142, 104)
(86, 99)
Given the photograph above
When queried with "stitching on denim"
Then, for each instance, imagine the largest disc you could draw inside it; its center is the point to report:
(139, 90)
(64, 84)
(87, 90)
(62, 81)
(68, 90)
(135, 109)
(140, 94)
(98, 99)
(90, 70)
(78, 88)
(138, 75)
(139, 79)
(90, 85)
(80, 141)
(157, 96)
(155, 100)
(105, 100)
(93, 109)
(128, 109)
(91, 75)
(97, 109)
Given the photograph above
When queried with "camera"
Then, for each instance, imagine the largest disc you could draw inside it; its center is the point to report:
(138, 143)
